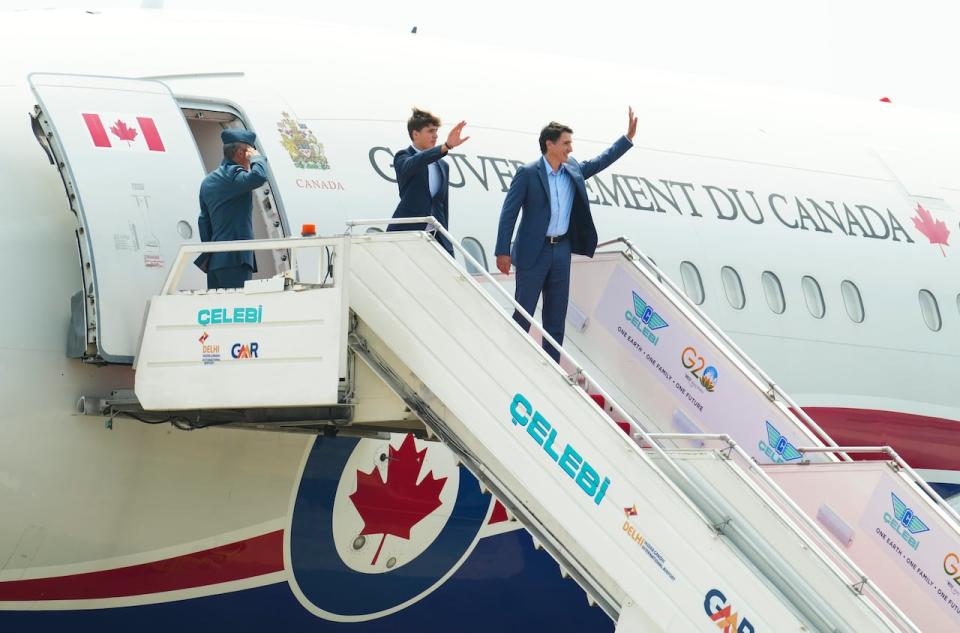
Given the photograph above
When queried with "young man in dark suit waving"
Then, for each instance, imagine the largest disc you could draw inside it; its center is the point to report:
(556, 222)
(422, 176)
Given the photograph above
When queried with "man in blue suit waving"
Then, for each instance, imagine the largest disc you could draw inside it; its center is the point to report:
(556, 222)
(423, 176)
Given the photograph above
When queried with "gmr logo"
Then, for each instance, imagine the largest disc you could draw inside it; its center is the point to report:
(715, 605)
(240, 350)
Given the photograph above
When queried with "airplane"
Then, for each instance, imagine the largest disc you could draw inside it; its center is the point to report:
(814, 230)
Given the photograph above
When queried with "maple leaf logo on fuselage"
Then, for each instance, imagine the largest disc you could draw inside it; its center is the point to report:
(123, 132)
(394, 506)
(935, 230)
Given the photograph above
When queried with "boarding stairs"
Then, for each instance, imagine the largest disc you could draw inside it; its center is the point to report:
(665, 531)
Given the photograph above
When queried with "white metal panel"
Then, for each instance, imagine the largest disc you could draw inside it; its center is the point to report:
(134, 170)
(917, 563)
(667, 368)
(235, 349)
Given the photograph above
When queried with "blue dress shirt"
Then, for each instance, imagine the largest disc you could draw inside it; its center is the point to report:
(433, 173)
(560, 185)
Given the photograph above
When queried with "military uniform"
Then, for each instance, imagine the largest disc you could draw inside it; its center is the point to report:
(226, 213)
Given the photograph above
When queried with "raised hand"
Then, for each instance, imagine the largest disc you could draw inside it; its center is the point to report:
(631, 124)
(454, 139)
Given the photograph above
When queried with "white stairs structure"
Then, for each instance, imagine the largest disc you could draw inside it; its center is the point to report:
(669, 526)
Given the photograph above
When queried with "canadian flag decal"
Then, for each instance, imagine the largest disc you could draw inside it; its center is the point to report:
(124, 131)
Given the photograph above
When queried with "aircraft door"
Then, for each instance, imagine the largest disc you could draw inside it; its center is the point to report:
(131, 171)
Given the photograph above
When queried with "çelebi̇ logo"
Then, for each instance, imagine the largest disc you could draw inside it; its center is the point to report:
(244, 350)
(569, 459)
(213, 316)
(645, 319)
(904, 522)
(716, 607)
(777, 448)
(706, 375)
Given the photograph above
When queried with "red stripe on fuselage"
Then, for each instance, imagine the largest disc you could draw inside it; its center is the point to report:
(923, 441)
(235, 561)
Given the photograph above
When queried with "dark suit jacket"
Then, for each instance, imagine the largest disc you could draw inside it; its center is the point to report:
(529, 191)
(226, 211)
(413, 179)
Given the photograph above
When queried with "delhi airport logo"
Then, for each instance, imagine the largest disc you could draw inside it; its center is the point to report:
(301, 143)
(905, 522)
(645, 319)
(777, 449)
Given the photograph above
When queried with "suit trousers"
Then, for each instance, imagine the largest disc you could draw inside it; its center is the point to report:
(549, 275)
(230, 277)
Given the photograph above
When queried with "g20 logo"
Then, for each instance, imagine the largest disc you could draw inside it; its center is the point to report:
(951, 567)
(706, 375)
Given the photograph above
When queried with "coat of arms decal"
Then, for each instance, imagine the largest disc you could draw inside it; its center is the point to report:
(299, 141)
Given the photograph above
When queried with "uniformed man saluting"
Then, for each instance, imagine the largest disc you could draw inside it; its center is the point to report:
(226, 209)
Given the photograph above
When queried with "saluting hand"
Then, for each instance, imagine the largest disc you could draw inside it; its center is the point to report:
(454, 139)
(631, 124)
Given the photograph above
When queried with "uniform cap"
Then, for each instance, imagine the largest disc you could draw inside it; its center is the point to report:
(238, 136)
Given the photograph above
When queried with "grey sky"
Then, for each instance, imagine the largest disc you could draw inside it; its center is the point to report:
(863, 48)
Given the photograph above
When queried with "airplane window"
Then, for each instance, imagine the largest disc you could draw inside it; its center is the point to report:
(692, 285)
(930, 310)
(473, 246)
(733, 287)
(773, 292)
(374, 229)
(852, 301)
(813, 296)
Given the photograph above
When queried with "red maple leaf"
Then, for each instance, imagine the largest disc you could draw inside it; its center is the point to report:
(122, 132)
(394, 506)
(935, 230)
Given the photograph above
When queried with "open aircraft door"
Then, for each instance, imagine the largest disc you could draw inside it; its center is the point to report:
(131, 172)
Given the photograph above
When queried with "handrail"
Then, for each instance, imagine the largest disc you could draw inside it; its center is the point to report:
(272, 244)
(716, 331)
(831, 446)
(773, 487)
(938, 501)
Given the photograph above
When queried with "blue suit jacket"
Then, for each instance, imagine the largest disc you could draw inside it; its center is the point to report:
(529, 190)
(413, 180)
(226, 211)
